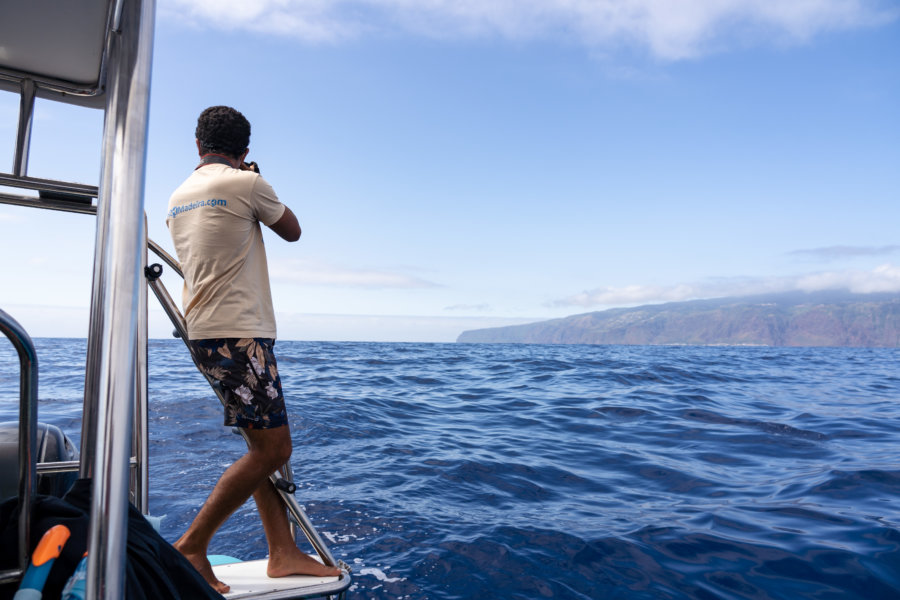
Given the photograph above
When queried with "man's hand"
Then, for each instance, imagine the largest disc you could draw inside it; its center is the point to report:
(250, 166)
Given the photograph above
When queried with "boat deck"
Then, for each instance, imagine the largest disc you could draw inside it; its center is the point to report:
(248, 579)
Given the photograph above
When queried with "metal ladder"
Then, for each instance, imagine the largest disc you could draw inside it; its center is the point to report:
(283, 478)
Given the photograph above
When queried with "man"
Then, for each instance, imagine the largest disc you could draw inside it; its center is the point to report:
(214, 218)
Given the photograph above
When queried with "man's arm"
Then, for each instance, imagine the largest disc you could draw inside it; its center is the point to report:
(287, 226)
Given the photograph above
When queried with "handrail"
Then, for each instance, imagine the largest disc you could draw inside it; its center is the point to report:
(28, 397)
(285, 475)
(68, 466)
(166, 257)
(140, 438)
(85, 192)
(48, 203)
(52, 84)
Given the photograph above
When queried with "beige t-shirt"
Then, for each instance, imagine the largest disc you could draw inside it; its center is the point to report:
(214, 219)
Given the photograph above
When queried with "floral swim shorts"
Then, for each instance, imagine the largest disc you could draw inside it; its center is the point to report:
(247, 371)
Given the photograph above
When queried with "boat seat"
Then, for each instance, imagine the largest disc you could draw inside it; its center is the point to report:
(52, 446)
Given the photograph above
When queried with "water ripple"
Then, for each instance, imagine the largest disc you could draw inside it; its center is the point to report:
(527, 472)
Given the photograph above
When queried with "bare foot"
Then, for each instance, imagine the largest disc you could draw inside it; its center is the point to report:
(201, 563)
(298, 563)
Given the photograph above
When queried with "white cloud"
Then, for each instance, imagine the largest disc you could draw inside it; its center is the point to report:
(667, 29)
(469, 308)
(308, 272)
(309, 20)
(885, 278)
(830, 253)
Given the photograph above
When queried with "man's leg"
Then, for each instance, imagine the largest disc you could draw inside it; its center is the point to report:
(269, 449)
(284, 556)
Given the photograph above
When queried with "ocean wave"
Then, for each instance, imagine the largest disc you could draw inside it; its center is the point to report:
(480, 471)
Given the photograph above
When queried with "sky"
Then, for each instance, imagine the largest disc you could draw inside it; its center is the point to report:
(457, 165)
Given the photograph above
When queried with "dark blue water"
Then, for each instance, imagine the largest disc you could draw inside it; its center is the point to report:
(529, 472)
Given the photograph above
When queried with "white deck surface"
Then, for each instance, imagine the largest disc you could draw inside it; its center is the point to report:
(249, 580)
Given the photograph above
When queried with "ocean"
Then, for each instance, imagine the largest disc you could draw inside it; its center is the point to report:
(467, 471)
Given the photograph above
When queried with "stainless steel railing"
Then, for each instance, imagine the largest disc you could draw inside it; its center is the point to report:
(28, 399)
(141, 435)
(112, 342)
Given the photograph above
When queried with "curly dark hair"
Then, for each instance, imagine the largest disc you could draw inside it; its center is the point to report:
(223, 130)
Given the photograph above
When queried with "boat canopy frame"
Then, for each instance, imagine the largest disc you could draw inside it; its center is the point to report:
(96, 53)
(67, 63)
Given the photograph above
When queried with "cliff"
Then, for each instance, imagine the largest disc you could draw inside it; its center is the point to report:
(795, 319)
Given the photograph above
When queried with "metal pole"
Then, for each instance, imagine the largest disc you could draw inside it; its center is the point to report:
(110, 379)
(165, 256)
(140, 443)
(28, 399)
(23, 134)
